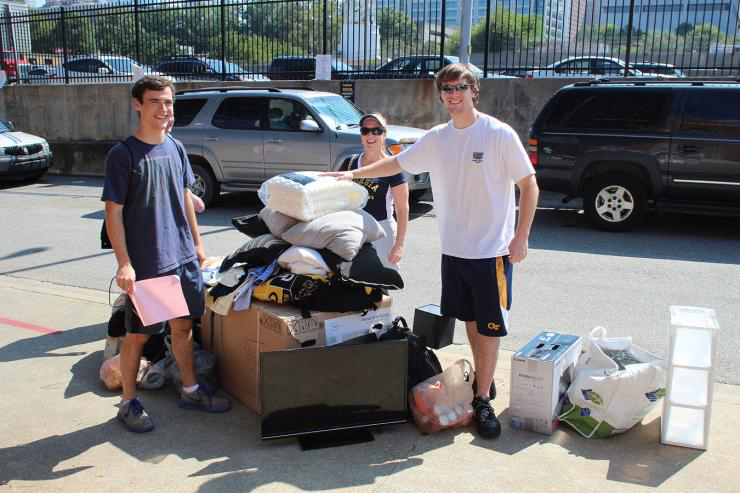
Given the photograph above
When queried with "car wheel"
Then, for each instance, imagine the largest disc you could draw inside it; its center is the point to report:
(205, 185)
(416, 195)
(615, 202)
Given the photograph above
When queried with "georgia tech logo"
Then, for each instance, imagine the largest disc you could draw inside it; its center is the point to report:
(477, 157)
(494, 326)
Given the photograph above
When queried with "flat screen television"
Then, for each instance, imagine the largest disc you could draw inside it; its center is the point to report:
(330, 396)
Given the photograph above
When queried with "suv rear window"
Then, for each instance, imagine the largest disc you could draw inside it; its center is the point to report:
(186, 109)
(608, 110)
(715, 114)
(240, 113)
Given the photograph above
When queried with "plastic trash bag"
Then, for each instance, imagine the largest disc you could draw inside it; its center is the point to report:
(110, 372)
(205, 367)
(444, 401)
(157, 374)
(615, 385)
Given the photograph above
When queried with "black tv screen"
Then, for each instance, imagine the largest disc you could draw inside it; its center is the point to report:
(332, 388)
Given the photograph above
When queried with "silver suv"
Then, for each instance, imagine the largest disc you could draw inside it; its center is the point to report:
(238, 137)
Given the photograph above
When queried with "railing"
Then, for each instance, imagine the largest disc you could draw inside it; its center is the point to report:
(253, 39)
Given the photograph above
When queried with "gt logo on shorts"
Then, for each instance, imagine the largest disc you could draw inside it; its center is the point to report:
(494, 326)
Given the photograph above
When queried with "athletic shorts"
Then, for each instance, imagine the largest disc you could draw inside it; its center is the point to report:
(478, 290)
(191, 281)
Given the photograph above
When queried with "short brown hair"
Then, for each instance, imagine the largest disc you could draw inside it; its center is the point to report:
(152, 83)
(456, 71)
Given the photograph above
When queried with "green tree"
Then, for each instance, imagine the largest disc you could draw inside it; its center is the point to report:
(703, 36)
(683, 28)
(508, 30)
(657, 41)
(46, 36)
(398, 33)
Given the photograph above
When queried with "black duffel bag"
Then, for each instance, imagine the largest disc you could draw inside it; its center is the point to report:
(423, 363)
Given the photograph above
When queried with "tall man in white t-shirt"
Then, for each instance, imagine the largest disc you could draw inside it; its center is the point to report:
(474, 161)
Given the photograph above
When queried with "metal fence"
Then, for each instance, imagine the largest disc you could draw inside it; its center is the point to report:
(253, 39)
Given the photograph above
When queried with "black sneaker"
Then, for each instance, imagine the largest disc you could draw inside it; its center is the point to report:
(485, 419)
(492, 391)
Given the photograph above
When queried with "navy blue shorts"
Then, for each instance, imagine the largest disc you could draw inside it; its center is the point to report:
(193, 288)
(478, 290)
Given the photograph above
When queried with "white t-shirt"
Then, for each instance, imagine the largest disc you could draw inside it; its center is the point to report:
(473, 171)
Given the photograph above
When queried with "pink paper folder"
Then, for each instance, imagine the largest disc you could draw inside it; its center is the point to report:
(159, 299)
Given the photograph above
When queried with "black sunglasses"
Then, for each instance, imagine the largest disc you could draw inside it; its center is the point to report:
(372, 130)
(457, 87)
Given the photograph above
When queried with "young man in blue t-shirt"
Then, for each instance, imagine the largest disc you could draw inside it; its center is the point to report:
(152, 227)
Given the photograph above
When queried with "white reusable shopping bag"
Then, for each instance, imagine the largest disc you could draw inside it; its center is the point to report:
(615, 385)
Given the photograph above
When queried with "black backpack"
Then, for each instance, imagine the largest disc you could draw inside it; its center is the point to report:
(423, 363)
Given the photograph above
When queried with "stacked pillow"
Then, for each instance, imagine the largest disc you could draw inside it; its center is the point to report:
(307, 195)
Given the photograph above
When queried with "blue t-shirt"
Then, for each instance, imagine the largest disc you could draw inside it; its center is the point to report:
(149, 181)
(379, 198)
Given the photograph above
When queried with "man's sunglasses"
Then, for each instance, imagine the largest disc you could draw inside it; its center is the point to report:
(372, 130)
(448, 88)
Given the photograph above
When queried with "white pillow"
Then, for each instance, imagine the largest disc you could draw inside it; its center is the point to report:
(304, 255)
(307, 196)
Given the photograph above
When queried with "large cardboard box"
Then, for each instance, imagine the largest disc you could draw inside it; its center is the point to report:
(240, 336)
(541, 372)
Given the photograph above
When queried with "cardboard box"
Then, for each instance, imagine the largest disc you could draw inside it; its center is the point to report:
(240, 336)
(541, 372)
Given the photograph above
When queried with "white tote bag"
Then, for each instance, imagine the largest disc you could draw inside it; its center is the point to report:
(615, 385)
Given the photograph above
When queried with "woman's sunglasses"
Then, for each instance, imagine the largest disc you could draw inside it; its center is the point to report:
(457, 87)
(371, 130)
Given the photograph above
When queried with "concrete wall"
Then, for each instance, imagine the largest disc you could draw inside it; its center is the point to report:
(83, 121)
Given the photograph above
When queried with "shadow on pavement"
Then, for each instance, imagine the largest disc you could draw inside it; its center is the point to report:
(635, 457)
(670, 237)
(44, 345)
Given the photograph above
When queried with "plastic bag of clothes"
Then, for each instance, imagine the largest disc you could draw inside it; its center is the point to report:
(110, 372)
(444, 401)
(615, 385)
(205, 368)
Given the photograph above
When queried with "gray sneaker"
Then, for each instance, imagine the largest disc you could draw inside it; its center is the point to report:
(134, 417)
(202, 399)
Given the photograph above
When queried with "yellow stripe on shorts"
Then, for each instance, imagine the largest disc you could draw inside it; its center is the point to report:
(501, 281)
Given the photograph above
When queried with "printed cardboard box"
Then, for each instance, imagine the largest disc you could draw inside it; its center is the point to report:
(240, 336)
(541, 372)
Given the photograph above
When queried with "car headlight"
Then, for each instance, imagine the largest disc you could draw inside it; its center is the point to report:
(402, 145)
(45, 146)
(2, 151)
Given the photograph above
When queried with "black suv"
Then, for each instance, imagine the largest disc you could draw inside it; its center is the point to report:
(629, 146)
(304, 68)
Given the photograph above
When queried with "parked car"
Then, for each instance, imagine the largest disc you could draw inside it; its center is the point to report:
(41, 74)
(22, 155)
(628, 147)
(586, 66)
(661, 69)
(417, 67)
(238, 137)
(187, 67)
(304, 68)
(95, 68)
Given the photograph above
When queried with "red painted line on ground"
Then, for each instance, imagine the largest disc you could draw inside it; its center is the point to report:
(24, 325)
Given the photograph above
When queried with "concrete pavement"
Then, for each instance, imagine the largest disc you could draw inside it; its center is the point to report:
(58, 432)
